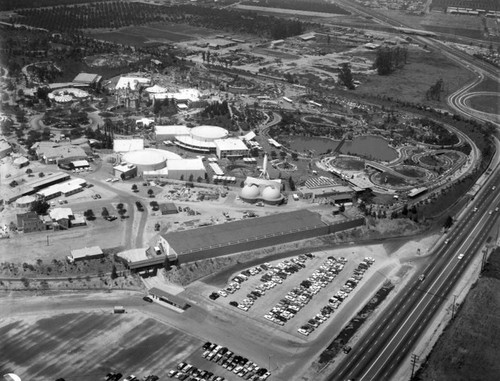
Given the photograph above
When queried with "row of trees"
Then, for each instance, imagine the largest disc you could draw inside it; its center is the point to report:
(389, 59)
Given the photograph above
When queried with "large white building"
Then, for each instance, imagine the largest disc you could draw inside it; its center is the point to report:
(149, 159)
(202, 138)
(178, 169)
(164, 133)
(231, 148)
(259, 189)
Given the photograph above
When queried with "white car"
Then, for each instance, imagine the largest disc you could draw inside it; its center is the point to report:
(460, 256)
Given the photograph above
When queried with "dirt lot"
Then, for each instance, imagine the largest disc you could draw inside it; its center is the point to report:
(468, 349)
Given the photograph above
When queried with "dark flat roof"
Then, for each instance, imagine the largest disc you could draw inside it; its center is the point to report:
(192, 240)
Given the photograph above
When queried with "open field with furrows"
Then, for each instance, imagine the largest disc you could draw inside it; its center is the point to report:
(155, 32)
(468, 349)
(410, 84)
(86, 346)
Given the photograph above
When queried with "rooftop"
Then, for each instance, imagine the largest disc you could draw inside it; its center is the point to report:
(208, 237)
(172, 130)
(230, 144)
(185, 164)
(86, 252)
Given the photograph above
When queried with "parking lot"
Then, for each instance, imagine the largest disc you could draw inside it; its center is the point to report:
(289, 294)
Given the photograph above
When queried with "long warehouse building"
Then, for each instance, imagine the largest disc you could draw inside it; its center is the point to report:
(230, 238)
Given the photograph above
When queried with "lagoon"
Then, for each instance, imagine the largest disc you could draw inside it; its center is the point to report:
(368, 147)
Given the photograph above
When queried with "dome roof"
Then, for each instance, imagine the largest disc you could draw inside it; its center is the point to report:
(271, 193)
(149, 156)
(250, 191)
(209, 132)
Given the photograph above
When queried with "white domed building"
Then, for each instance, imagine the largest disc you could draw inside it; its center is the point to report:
(258, 189)
(202, 138)
(149, 159)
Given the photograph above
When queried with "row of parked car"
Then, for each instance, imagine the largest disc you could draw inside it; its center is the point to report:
(239, 365)
(275, 275)
(299, 296)
(337, 299)
(115, 376)
(188, 372)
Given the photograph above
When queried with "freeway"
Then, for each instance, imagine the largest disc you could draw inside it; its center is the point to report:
(378, 354)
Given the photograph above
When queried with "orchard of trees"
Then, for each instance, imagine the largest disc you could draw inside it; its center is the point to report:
(120, 14)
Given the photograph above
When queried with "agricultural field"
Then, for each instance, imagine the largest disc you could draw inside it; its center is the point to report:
(86, 346)
(468, 349)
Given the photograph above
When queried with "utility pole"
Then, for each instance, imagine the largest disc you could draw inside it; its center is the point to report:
(414, 359)
(483, 262)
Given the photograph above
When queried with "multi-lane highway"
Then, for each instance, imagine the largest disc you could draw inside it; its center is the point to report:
(378, 354)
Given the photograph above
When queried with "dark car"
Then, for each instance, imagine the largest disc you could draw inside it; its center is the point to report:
(147, 299)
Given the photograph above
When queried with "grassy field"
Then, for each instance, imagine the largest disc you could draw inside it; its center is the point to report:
(467, 26)
(86, 346)
(468, 350)
(486, 103)
(141, 35)
(411, 83)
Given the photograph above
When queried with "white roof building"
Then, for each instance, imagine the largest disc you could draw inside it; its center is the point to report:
(60, 213)
(85, 253)
(131, 82)
(190, 95)
(185, 164)
(170, 132)
(230, 147)
(127, 145)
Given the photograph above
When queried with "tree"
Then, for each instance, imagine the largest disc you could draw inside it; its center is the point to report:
(105, 213)
(89, 214)
(134, 187)
(295, 156)
(29, 171)
(291, 183)
(151, 192)
(448, 223)
(342, 208)
(404, 212)
(119, 206)
(191, 177)
(114, 274)
(345, 76)
(41, 174)
(435, 91)
(389, 59)
(40, 207)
